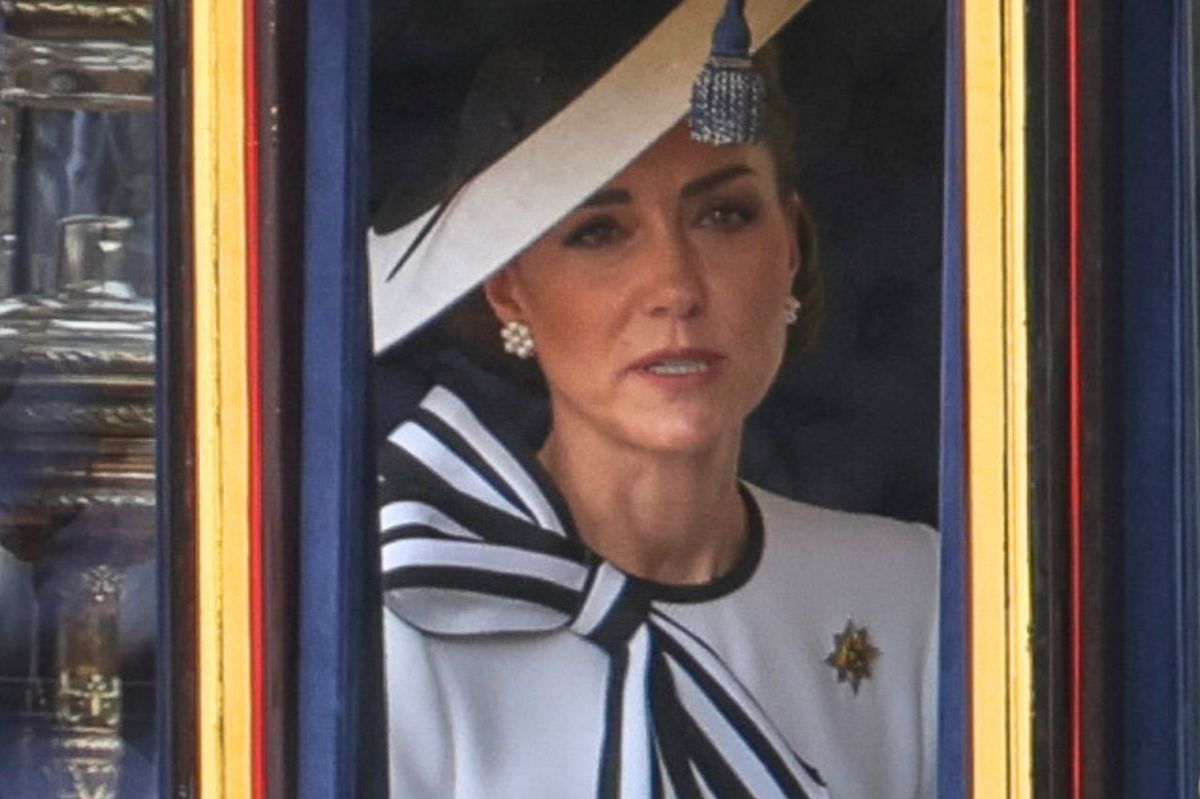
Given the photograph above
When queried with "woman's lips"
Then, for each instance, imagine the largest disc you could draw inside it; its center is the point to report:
(676, 365)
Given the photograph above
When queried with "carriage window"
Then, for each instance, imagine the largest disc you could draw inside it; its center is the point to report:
(77, 390)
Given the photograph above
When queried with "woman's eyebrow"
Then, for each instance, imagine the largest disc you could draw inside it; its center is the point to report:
(711, 181)
(697, 186)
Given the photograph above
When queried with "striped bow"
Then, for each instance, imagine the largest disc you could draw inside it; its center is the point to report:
(466, 520)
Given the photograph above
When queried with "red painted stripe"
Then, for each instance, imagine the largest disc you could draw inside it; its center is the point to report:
(254, 378)
(1075, 404)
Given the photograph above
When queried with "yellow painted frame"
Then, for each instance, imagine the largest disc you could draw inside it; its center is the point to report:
(997, 389)
(222, 401)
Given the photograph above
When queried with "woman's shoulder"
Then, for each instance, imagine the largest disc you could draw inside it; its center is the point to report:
(849, 559)
(800, 524)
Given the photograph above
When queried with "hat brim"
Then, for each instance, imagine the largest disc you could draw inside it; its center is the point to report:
(504, 209)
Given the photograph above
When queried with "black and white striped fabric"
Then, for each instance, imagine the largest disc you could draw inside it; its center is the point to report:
(474, 543)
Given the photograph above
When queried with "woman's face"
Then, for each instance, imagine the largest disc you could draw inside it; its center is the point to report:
(658, 307)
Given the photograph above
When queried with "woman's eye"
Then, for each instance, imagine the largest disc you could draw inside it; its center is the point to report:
(595, 233)
(729, 216)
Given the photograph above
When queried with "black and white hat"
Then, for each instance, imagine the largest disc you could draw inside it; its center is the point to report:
(562, 97)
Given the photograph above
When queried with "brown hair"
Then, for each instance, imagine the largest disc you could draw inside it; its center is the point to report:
(473, 325)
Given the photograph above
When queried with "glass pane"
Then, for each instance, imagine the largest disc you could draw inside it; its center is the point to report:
(77, 382)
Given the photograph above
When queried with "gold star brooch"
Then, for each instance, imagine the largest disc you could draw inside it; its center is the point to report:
(852, 655)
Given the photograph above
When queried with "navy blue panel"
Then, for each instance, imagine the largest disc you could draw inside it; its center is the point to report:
(1157, 408)
(335, 613)
(174, 381)
(953, 765)
(1188, 335)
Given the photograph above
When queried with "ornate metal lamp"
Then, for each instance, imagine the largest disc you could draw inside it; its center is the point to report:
(76, 373)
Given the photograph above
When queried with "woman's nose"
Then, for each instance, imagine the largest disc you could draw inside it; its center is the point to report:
(675, 288)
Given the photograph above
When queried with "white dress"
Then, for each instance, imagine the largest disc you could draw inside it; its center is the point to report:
(513, 716)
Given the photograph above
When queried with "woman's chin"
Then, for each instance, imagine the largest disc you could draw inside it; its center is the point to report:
(681, 434)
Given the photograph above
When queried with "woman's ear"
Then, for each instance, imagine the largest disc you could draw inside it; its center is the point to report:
(794, 209)
(504, 295)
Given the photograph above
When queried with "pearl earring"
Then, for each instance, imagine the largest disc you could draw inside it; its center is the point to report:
(792, 310)
(518, 340)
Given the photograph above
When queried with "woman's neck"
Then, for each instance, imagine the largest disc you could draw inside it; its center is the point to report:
(669, 517)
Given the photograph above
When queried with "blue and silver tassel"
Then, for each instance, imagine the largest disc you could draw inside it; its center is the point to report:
(729, 96)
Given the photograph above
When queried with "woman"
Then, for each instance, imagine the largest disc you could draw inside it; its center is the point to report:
(614, 613)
